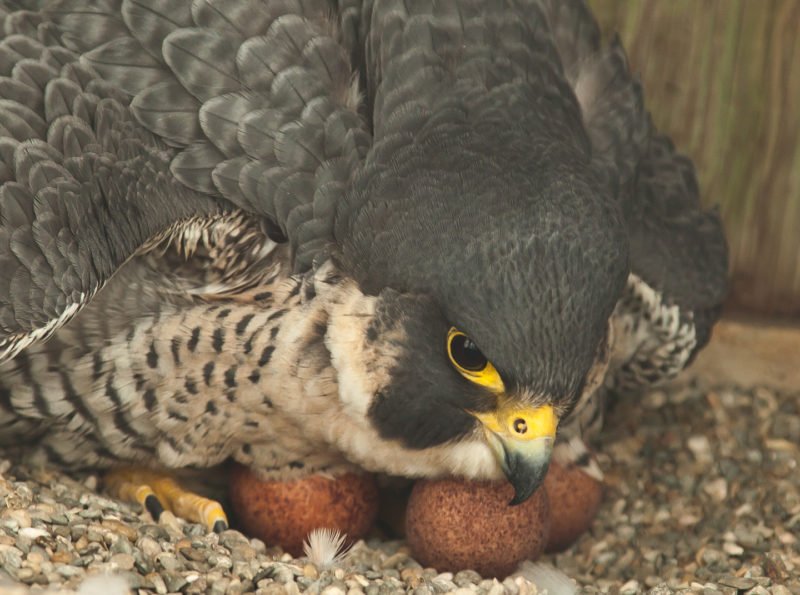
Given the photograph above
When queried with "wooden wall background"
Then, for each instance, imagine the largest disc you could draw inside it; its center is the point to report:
(723, 78)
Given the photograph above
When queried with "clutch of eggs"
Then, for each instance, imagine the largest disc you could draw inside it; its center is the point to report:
(451, 524)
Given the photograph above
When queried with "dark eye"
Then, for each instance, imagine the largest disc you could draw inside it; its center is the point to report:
(466, 354)
(471, 363)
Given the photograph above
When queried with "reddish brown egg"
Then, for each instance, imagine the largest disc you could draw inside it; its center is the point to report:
(574, 500)
(455, 524)
(284, 512)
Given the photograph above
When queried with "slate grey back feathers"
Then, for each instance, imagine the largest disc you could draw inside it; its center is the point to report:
(74, 168)
(122, 118)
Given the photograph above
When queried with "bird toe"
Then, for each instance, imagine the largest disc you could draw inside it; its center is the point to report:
(158, 491)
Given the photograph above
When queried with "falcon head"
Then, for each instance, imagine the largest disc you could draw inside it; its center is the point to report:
(495, 261)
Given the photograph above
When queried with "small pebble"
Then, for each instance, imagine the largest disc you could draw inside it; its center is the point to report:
(737, 582)
(61, 556)
(121, 528)
(732, 549)
(123, 561)
(151, 547)
(273, 589)
(20, 518)
(701, 448)
(693, 505)
(169, 561)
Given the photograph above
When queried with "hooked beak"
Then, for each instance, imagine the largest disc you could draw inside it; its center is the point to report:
(521, 438)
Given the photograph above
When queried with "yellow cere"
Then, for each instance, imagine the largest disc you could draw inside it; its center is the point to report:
(484, 373)
(520, 422)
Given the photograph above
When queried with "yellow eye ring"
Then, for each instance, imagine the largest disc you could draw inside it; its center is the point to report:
(470, 362)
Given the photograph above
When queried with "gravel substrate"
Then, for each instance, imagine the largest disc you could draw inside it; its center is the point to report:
(703, 496)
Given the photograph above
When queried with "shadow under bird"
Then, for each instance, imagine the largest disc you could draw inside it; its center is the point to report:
(418, 238)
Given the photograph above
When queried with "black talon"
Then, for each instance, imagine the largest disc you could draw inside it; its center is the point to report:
(153, 506)
(220, 526)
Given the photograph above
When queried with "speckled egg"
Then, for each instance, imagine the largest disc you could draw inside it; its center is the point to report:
(574, 500)
(284, 512)
(455, 524)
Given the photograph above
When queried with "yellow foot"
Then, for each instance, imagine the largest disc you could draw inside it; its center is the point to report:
(157, 492)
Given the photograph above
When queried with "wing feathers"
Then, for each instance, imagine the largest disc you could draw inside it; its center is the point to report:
(19, 121)
(150, 21)
(86, 24)
(169, 111)
(124, 63)
(83, 185)
(220, 118)
(245, 88)
(203, 61)
(193, 166)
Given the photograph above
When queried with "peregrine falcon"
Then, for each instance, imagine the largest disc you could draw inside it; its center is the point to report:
(414, 238)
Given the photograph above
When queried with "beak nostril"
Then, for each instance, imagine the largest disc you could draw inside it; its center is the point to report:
(520, 426)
